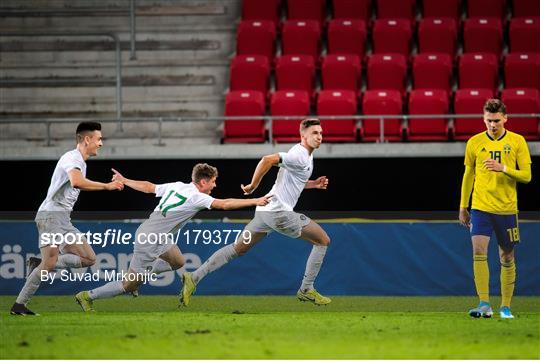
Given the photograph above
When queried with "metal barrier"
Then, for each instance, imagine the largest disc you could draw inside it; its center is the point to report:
(118, 63)
(268, 120)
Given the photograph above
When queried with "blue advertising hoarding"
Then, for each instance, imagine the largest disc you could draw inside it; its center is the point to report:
(386, 258)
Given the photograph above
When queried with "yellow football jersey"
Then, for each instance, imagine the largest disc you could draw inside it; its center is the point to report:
(495, 192)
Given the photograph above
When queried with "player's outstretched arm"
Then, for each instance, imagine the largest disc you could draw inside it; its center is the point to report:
(466, 190)
(267, 162)
(234, 203)
(141, 186)
(319, 183)
(78, 180)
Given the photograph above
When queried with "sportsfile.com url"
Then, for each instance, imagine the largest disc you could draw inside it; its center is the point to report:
(118, 237)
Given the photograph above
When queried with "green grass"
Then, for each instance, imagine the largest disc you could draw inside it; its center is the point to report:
(269, 327)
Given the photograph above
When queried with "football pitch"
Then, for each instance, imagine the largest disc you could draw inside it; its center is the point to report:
(266, 327)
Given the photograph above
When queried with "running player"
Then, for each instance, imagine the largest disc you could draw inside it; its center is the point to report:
(153, 253)
(53, 216)
(495, 161)
(296, 167)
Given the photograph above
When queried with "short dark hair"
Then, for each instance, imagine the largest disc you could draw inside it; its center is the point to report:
(85, 127)
(308, 122)
(495, 106)
(203, 171)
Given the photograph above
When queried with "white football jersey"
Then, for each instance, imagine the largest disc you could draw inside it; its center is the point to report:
(295, 170)
(179, 203)
(61, 196)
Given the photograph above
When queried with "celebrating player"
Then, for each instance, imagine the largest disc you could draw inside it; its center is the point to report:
(494, 162)
(53, 216)
(155, 255)
(296, 167)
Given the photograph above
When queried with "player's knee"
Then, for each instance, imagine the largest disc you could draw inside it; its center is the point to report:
(48, 265)
(479, 250)
(506, 257)
(325, 240)
(178, 263)
(88, 261)
(240, 251)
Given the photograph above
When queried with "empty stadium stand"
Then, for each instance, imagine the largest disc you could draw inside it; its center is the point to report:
(180, 70)
(288, 103)
(468, 101)
(382, 102)
(244, 103)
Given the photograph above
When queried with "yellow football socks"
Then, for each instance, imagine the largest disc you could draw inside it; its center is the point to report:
(508, 280)
(481, 277)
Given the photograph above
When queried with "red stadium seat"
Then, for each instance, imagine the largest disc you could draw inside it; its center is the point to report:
(525, 8)
(395, 9)
(525, 35)
(285, 103)
(392, 36)
(244, 103)
(295, 72)
(250, 72)
(522, 101)
(306, 10)
(261, 10)
(379, 102)
(483, 35)
(352, 9)
(346, 37)
(477, 71)
(470, 101)
(256, 38)
(486, 8)
(341, 72)
(301, 37)
(441, 8)
(387, 72)
(428, 102)
(432, 71)
(522, 71)
(333, 102)
(437, 35)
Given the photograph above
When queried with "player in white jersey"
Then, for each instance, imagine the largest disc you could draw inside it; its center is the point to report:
(155, 250)
(296, 167)
(70, 248)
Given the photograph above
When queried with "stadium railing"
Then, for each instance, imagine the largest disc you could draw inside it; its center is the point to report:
(118, 61)
(268, 120)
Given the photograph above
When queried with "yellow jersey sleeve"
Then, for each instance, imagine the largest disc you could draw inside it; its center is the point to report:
(523, 159)
(470, 156)
(523, 154)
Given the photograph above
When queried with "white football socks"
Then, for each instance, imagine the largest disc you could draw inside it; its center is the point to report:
(30, 286)
(160, 266)
(313, 266)
(68, 260)
(216, 261)
(34, 279)
(108, 290)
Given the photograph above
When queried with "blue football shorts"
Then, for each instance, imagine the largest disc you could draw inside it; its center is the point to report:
(506, 227)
